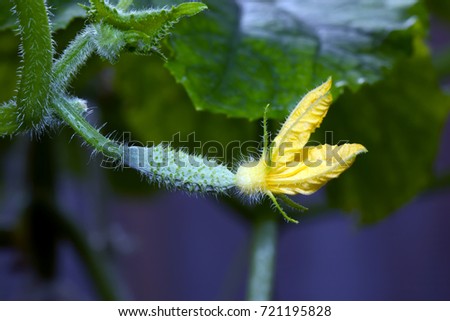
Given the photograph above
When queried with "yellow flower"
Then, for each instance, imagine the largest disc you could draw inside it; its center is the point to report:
(287, 166)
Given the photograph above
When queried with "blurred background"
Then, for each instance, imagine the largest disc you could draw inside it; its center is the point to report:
(71, 230)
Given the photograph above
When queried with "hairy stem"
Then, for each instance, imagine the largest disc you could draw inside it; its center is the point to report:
(37, 58)
(262, 260)
(72, 116)
(8, 119)
(73, 58)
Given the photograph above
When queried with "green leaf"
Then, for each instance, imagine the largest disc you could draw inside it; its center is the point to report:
(64, 11)
(137, 30)
(241, 55)
(155, 108)
(151, 22)
(399, 121)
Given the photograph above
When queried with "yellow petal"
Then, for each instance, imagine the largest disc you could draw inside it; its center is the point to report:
(303, 120)
(313, 167)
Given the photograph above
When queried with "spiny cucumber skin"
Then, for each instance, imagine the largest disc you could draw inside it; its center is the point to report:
(179, 170)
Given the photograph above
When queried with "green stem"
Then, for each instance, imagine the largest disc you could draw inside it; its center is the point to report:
(71, 115)
(277, 205)
(262, 260)
(292, 204)
(37, 56)
(64, 69)
(71, 60)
